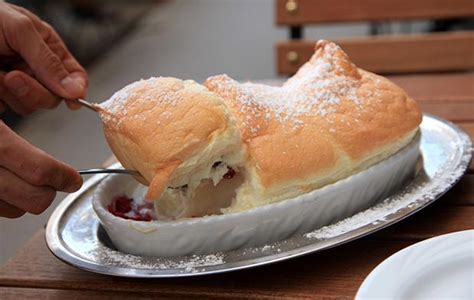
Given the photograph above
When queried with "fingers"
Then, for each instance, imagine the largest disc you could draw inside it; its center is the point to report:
(10, 211)
(23, 66)
(57, 45)
(24, 94)
(72, 104)
(22, 195)
(43, 50)
(3, 107)
(10, 99)
(30, 93)
(35, 166)
(77, 74)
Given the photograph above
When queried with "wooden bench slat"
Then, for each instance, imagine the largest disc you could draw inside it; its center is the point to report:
(454, 112)
(444, 88)
(320, 11)
(392, 54)
(462, 193)
(446, 219)
(469, 128)
(15, 293)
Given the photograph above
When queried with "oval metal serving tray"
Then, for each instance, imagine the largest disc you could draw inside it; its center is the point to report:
(74, 233)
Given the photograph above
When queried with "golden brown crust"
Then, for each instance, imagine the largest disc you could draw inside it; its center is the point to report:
(327, 122)
(328, 119)
(154, 125)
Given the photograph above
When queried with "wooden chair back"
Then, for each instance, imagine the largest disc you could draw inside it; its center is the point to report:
(386, 54)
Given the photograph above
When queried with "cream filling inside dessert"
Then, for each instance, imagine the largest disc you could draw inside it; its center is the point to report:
(207, 195)
(227, 185)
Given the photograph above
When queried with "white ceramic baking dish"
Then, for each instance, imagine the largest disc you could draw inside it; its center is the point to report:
(257, 226)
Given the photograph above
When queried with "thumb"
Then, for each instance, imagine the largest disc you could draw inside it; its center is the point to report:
(47, 66)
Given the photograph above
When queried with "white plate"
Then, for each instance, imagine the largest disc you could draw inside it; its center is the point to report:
(438, 268)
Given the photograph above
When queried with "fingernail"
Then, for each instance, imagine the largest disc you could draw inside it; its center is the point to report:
(17, 86)
(74, 86)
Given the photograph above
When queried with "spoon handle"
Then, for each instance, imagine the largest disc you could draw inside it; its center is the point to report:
(108, 171)
(89, 105)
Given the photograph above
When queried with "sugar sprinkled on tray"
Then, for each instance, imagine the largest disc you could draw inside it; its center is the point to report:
(188, 264)
(412, 196)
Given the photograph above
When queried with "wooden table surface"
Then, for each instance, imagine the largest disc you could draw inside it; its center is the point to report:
(336, 273)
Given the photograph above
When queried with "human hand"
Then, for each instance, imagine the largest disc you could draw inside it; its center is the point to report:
(29, 178)
(36, 69)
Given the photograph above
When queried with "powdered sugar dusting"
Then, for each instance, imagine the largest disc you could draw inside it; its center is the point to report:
(189, 264)
(318, 88)
(143, 90)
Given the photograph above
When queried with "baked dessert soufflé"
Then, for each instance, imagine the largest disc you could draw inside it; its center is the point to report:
(226, 146)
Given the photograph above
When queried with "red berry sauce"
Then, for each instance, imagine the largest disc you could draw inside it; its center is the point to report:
(230, 173)
(124, 207)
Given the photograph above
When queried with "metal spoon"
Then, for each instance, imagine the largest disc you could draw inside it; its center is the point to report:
(109, 171)
(91, 106)
(96, 108)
